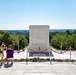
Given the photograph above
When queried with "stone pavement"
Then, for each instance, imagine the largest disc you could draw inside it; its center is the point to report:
(65, 55)
(54, 55)
(39, 68)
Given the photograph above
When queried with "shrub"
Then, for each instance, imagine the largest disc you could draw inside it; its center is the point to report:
(35, 59)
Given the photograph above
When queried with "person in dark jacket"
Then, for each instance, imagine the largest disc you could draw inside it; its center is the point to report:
(9, 54)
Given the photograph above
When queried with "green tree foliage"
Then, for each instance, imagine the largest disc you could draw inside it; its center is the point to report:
(13, 39)
(75, 31)
(64, 40)
(56, 40)
(68, 32)
(6, 38)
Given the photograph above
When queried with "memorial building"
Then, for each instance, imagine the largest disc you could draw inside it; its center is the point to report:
(39, 40)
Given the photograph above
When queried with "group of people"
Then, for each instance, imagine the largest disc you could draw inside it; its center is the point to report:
(9, 54)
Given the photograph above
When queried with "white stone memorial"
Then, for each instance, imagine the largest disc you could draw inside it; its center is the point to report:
(39, 37)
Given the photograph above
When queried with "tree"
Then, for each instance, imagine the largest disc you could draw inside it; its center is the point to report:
(13, 39)
(6, 38)
(66, 40)
(75, 31)
(56, 40)
(68, 32)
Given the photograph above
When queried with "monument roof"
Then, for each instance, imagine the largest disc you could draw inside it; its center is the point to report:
(39, 26)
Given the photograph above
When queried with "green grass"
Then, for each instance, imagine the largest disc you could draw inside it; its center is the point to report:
(54, 48)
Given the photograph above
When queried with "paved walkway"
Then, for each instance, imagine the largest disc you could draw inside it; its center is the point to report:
(39, 68)
(54, 55)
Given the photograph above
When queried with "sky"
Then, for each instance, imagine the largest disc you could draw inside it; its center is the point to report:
(20, 14)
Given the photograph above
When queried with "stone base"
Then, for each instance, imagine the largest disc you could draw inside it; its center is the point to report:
(39, 47)
(43, 54)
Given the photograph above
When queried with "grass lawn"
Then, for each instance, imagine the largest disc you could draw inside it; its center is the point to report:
(54, 48)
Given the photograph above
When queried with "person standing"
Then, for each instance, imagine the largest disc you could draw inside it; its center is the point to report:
(9, 54)
(2, 47)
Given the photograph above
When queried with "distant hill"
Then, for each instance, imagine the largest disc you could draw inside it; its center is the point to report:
(18, 31)
(27, 31)
(61, 30)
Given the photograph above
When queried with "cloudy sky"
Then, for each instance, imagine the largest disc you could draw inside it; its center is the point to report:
(19, 14)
